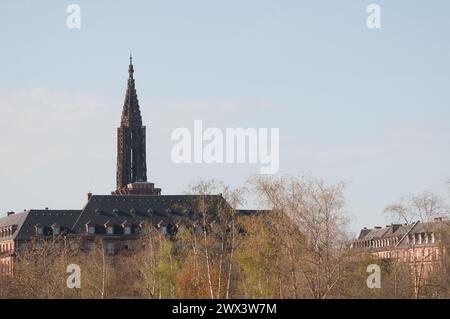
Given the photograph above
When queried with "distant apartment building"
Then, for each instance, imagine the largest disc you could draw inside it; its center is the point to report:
(418, 242)
(18, 229)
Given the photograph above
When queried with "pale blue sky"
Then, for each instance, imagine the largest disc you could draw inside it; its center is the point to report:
(370, 107)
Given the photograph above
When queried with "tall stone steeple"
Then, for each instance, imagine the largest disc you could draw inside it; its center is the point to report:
(131, 153)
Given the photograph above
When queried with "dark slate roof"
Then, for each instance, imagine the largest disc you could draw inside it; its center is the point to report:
(399, 231)
(396, 231)
(164, 210)
(46, 218)
(393, 230)
(115, 210)
(376, 233)
(431, 226)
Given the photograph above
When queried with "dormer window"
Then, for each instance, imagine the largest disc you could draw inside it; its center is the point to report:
(90, 228)
(56, 229)
(109, 228)
(39, 230)
(126, 228)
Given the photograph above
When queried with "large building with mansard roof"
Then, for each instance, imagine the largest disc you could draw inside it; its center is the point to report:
(415, 243)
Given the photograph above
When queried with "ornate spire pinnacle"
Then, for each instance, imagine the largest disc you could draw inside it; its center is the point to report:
(130, 68)
(131, 112)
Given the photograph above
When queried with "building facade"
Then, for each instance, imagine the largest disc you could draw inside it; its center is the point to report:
(418, 243)
(17, 229)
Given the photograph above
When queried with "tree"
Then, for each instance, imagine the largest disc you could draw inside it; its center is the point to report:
(40, 269)
(315, 241)
(424, 207)
(209, 245)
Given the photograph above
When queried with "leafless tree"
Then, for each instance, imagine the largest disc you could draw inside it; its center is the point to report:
(423, 207)
(316, 211)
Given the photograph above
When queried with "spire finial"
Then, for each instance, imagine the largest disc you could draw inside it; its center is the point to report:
(130, 68)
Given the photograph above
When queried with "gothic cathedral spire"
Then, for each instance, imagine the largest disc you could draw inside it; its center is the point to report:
(131, 153)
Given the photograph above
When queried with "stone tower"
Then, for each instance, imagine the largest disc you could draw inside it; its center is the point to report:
(131, 146)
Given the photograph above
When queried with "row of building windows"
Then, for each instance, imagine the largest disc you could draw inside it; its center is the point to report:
(7, 231)
(6, 266)
(111, 247)
(6, 247)
(421, 238)
(376, 243)
(426, 254)
(109, 229)
(90, 228)
(56, 229)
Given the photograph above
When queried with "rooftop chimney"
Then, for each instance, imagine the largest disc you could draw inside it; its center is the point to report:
(89, 196)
